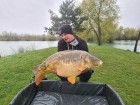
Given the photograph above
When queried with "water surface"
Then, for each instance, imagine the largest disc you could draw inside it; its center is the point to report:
(12, 47)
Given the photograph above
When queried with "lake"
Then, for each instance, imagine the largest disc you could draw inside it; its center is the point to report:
(125, 45)
(13, 47)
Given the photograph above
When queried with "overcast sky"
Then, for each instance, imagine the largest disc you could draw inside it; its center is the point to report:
(30, 16)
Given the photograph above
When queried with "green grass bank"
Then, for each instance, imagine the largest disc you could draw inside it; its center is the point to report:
(120, 70)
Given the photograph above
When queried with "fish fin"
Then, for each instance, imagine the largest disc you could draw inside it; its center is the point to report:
(38, 77)
(72, 79)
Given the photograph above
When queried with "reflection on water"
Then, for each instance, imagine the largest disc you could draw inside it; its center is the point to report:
(128, 42)
(12, 47)
(125, 45)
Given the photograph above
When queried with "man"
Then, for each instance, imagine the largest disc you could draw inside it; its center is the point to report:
(70, 41)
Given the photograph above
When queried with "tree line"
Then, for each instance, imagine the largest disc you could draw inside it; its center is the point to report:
(10, 36)
(93, 20)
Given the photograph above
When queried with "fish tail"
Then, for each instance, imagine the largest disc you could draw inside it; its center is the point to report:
(38, 77)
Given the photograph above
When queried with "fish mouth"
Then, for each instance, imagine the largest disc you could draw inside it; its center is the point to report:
(97, 64)
(100, 63)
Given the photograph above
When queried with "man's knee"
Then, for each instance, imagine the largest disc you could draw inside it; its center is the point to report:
(86, 76)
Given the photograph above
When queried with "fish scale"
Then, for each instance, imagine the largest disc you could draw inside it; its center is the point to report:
(68, 64)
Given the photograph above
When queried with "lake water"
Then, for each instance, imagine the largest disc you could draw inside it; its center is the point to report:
(12, 47)
(125, 45)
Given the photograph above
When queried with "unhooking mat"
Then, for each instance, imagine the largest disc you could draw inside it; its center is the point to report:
(64, 93)
(52, 98)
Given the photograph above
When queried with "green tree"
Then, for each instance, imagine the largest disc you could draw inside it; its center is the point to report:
(102, 18)
(70, 13)
(55, 24)
(130, 33)
(120, 33)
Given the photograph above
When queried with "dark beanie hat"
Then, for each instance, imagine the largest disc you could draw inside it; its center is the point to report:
(65, 29)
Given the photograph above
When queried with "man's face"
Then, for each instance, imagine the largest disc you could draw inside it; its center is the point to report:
(67, 37)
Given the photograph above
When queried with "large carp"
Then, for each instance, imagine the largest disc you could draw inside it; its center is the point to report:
(68, 63)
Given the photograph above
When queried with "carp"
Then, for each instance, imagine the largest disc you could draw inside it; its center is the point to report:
(68, 64)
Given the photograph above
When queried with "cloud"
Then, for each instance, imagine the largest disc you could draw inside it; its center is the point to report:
(30, 16)
(129, 12)
(26, 16)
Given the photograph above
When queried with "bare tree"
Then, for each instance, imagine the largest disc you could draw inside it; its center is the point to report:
(137, 39)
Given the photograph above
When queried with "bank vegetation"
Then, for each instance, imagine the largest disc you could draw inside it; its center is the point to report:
(10, 36)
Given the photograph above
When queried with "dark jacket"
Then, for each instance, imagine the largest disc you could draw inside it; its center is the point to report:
(62, 45)
(82, 45)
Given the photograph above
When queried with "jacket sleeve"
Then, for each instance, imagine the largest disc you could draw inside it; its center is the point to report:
(61, 46)
(84, 46)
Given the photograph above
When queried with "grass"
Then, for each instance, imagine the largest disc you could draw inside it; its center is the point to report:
(120, 70)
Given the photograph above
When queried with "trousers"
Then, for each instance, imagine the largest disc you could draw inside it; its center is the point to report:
(84, 77)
